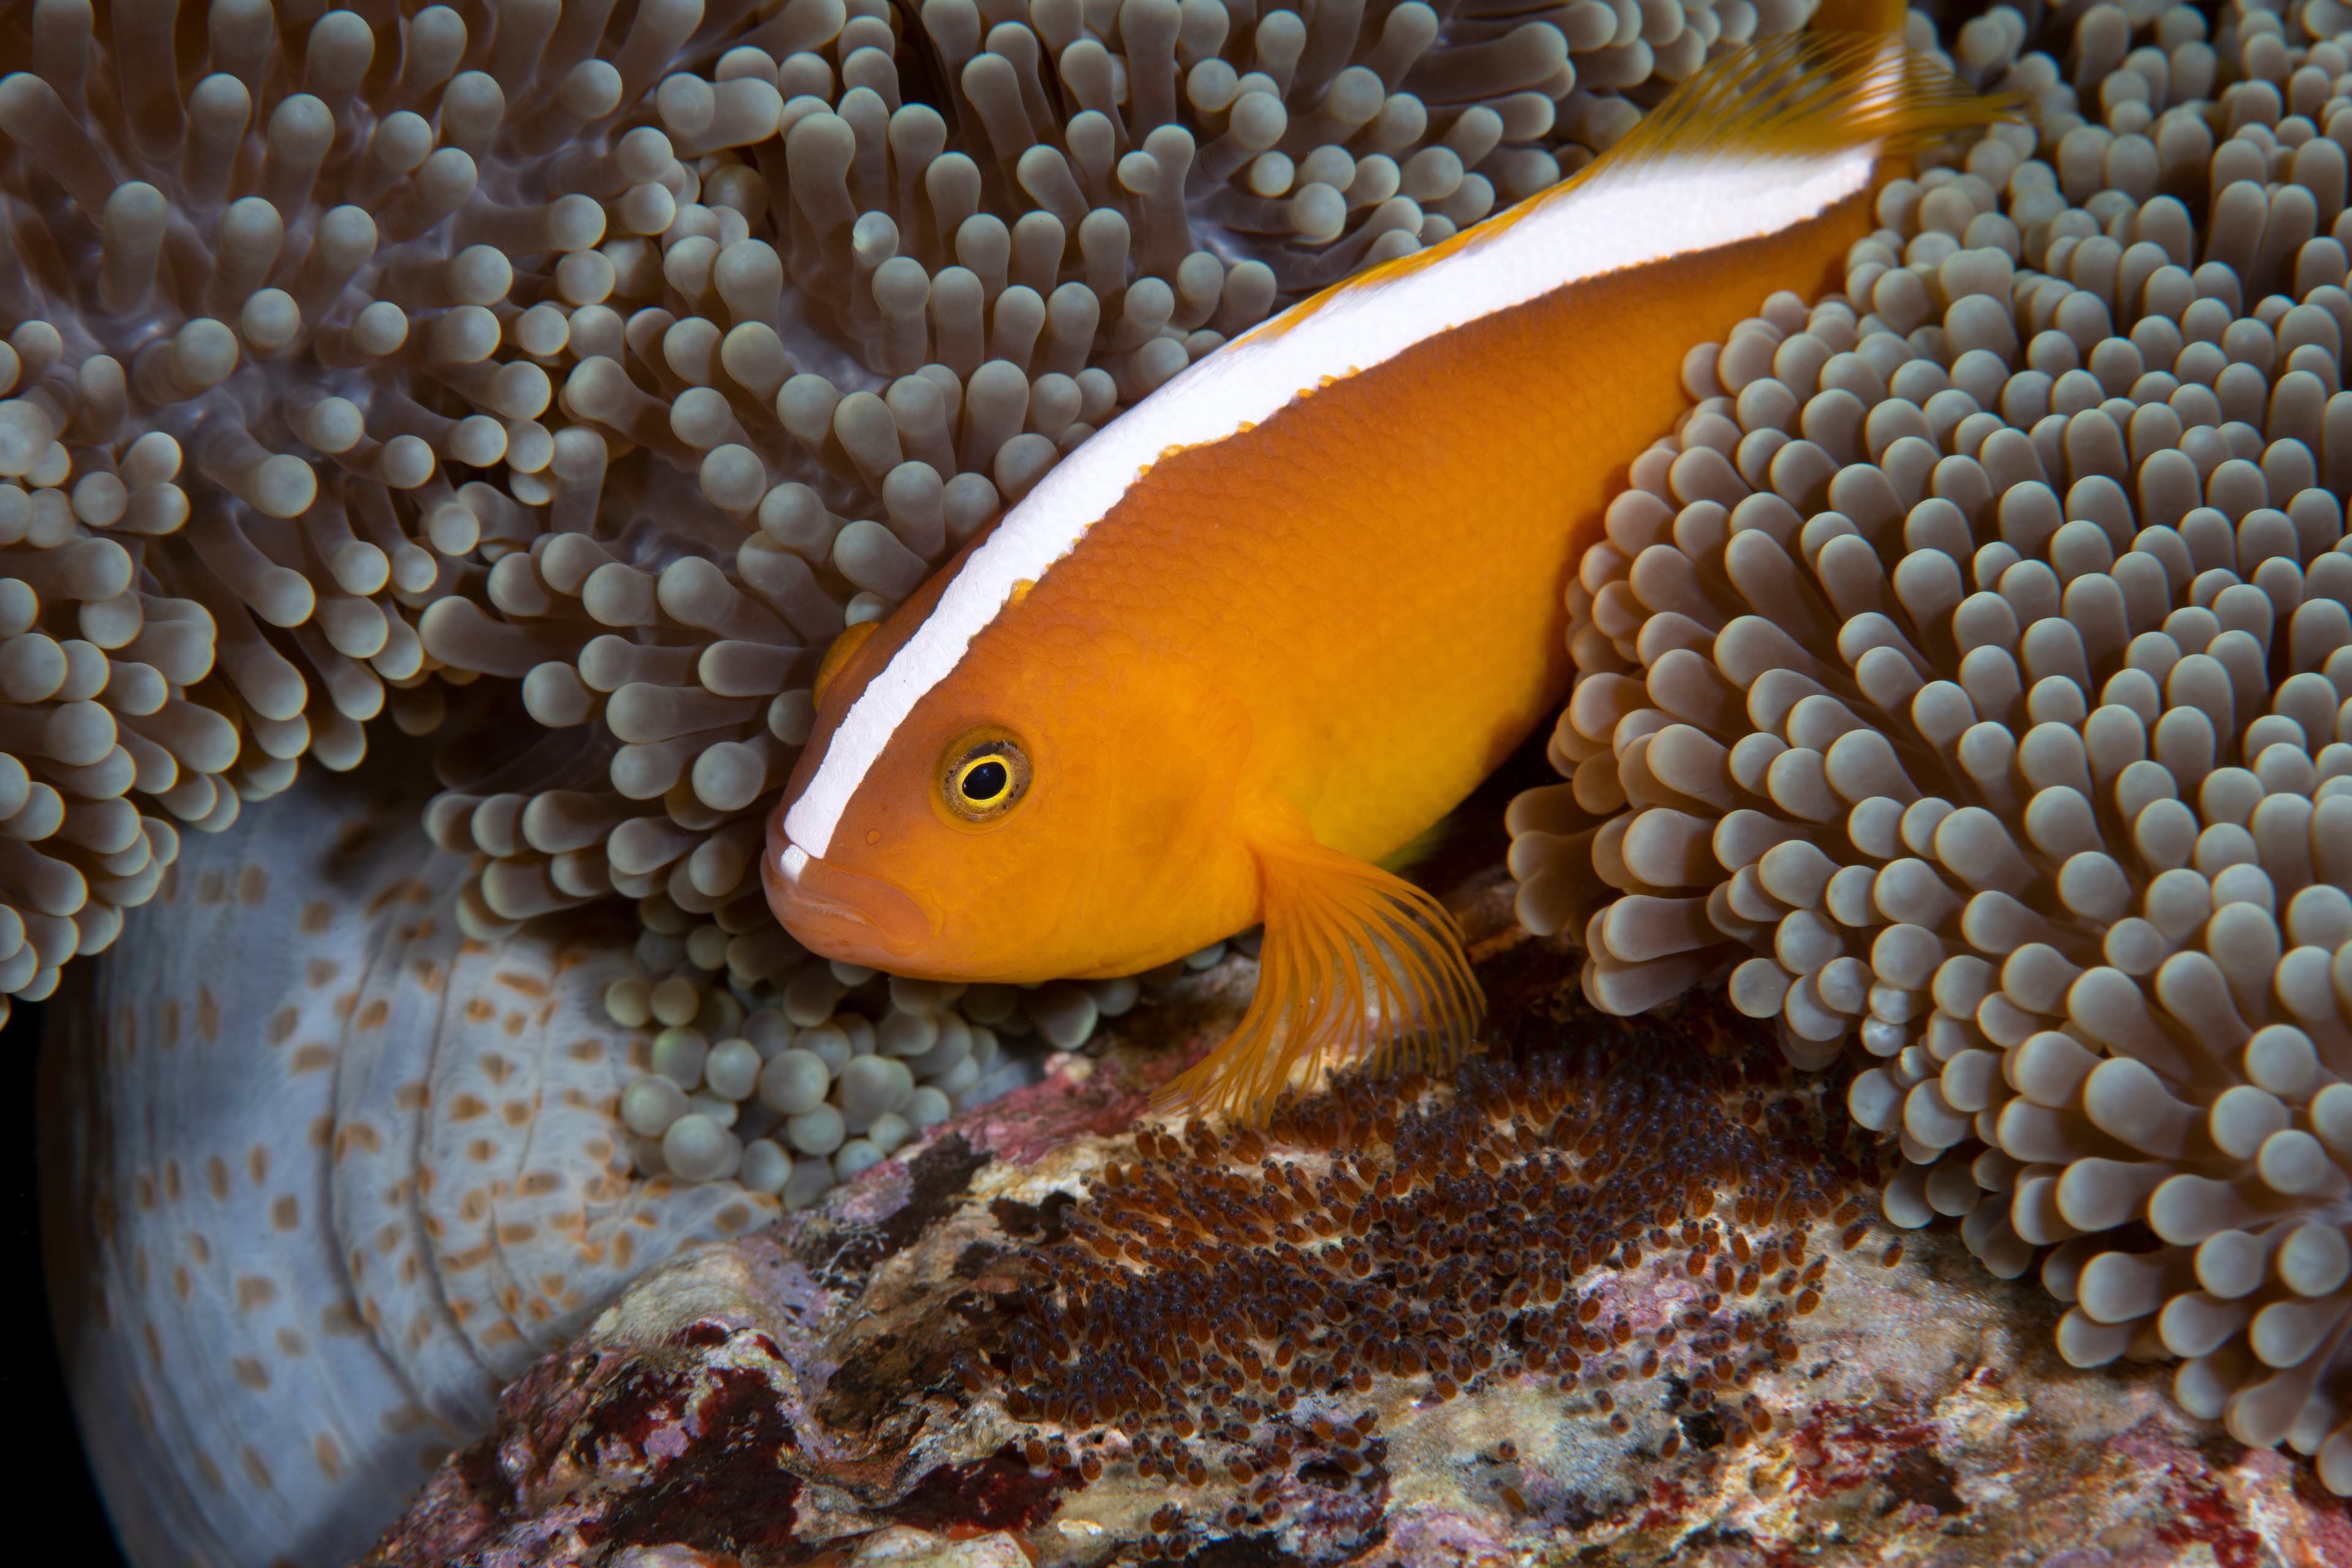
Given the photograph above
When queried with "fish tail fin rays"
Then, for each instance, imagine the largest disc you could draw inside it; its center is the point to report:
(1850, 85)
(1357, 964)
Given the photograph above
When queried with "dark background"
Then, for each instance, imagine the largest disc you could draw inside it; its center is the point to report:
(53, 1478)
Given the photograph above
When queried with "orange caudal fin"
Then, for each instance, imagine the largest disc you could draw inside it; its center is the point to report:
(1356, 965)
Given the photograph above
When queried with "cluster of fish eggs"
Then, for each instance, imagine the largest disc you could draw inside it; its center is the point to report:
(1622, 1220)
(1970, 672)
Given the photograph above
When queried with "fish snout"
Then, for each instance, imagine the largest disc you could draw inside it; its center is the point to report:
(841, 913)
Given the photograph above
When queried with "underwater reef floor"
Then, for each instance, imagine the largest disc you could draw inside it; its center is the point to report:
(804, 1395)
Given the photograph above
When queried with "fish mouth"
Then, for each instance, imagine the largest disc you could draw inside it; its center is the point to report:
(841, 913)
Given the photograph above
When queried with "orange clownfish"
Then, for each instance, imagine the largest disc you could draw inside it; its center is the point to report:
(1283, 616)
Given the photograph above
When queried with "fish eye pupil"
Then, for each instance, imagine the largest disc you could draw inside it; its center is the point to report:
(981, 776)
(984, 781)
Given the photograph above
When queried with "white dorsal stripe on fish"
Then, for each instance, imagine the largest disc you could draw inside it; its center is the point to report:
(1648, 211)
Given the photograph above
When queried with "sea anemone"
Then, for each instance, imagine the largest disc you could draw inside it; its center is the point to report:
(323, 1171)
(1968, 669)
(788, 1111)
(321, 1174)
(953, 282)
(218, 469)
(561, 379)
(630, 360)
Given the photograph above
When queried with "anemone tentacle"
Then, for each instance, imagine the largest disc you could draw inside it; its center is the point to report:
(1967, 676)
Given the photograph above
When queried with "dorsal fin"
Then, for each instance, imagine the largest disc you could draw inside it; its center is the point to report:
(1808, 93)
(1791, 96)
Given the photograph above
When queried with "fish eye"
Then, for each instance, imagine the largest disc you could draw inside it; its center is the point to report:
(985, 782)
(983, 775)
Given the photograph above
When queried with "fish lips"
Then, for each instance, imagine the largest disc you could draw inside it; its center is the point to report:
(841, 913)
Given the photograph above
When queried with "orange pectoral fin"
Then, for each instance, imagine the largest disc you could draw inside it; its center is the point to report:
(1357, 965)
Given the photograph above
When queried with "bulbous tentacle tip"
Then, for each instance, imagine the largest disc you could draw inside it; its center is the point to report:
(1932, 680)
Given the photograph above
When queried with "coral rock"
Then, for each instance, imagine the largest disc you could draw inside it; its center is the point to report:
(805, 1389)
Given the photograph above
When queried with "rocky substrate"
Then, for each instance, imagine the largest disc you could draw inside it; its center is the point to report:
(807, 1394)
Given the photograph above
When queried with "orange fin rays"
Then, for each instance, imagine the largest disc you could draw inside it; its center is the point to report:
(1851, 82)
(1808, 93)
(1357, 965)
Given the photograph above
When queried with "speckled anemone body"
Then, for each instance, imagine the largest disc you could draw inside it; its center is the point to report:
(1966, 674)
(326, 1173)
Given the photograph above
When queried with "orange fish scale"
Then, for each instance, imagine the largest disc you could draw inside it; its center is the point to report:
(1378, 572)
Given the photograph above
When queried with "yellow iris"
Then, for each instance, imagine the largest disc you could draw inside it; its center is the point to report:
(983, 775)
